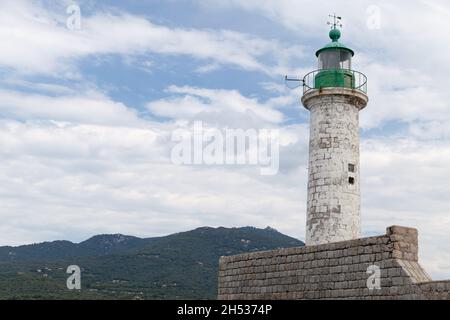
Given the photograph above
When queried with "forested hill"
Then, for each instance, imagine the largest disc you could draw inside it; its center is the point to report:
(178, 266)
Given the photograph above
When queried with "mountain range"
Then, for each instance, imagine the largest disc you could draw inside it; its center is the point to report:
(179, 266)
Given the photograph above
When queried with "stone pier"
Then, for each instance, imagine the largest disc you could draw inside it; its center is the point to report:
(339, 270)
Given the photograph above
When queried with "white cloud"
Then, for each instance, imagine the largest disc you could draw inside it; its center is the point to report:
(90, 107)
(406, 63)
(71, 179)
(39, 42)
(405, 95)
(227, 107)
(405, 182)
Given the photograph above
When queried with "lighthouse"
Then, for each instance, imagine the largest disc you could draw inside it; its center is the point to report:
(334, 95)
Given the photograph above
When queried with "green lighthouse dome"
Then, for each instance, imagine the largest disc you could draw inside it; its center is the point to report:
(335, 35)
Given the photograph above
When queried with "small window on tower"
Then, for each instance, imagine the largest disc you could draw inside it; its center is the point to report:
(351, 180)
(351, 167)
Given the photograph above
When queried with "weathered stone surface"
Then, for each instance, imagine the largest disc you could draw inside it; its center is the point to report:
(437, 290)
(332, 271)
(333, 208)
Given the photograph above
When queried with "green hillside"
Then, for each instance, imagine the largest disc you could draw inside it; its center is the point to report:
(179, 266)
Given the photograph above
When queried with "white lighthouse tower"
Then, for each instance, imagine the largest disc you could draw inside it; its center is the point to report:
(334, 94)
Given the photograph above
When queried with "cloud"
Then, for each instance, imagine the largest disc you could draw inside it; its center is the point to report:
(405, 182)
(39, 42)
(404, 95)
(61, 179)
(301, 16)
(226, 107)
(89, 107)
(407, 66)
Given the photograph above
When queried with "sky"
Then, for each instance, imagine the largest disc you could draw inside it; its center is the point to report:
(87, 113)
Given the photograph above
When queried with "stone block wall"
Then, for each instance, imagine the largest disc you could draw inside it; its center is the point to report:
(332, 271)
(436, 290)
(333, 205)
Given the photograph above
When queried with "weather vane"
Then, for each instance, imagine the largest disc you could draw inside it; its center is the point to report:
(336, 21)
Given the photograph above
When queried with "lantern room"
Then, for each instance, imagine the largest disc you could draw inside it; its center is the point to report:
(335, 55)
(335, 63)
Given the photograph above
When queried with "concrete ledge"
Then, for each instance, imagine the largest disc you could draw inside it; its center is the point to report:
(357, 97)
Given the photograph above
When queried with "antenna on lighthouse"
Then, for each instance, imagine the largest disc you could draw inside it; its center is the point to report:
(336, 21)
(293, 83)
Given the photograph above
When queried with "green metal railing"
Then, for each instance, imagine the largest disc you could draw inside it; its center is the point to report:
(332, 78)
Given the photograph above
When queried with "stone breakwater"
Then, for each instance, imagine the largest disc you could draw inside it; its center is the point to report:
(339, 270)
